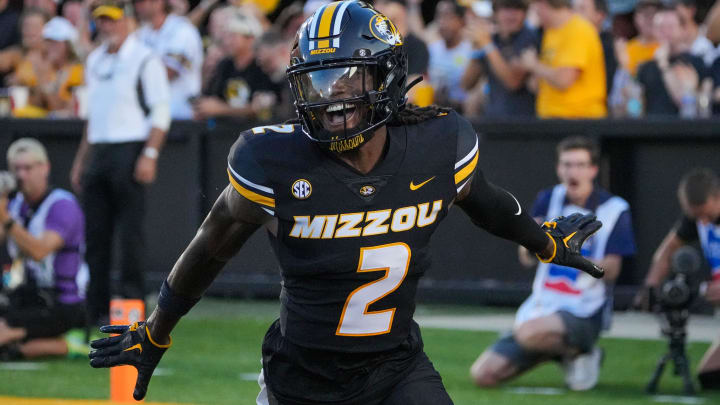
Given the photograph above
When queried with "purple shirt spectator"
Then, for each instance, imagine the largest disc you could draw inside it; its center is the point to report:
(64, 270)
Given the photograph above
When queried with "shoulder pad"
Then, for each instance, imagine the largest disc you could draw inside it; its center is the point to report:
(467, 151)
(246, 174)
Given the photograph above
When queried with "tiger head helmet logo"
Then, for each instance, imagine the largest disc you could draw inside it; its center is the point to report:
(384, 30)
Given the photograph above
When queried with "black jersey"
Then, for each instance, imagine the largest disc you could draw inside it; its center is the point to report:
(352, 246)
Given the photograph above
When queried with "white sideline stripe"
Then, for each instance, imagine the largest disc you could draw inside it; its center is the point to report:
(163, 371)
(250, 183)
(59, 401)
(536, 390)
(469, 155)
(625, 325)
(248, 376)
(678, 399)
(23, 366)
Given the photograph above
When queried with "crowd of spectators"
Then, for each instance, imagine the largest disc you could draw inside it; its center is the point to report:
(495, 58)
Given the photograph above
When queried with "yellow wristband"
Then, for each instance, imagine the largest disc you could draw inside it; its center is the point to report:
(155, 343)
(553, 253)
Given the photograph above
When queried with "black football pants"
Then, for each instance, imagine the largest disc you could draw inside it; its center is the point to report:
(114, 203)
(422, 386)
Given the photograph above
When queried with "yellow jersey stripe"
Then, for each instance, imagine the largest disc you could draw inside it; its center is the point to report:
(467, 170)
(468, 156)
(325, 20)
(252, 196)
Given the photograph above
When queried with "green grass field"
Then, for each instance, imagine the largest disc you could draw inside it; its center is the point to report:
(216, 357)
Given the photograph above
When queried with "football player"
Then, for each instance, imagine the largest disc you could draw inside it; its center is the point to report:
(350, 195)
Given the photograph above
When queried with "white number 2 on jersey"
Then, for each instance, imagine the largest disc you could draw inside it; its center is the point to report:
(356, 320)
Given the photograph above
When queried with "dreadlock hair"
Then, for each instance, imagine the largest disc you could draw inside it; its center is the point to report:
(413, 115)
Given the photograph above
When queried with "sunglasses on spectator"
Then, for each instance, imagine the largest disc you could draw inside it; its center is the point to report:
(26, 167)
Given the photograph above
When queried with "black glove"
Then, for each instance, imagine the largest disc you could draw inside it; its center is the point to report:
(568, 235)
(134, 347)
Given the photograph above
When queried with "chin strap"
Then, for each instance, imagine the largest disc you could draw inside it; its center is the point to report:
(411, 85)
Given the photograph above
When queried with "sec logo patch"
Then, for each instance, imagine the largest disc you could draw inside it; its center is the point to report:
(301, 189)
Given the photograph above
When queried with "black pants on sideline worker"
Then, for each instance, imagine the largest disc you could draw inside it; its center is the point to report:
(114, 203)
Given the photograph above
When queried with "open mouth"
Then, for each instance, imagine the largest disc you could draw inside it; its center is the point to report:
(338, 114)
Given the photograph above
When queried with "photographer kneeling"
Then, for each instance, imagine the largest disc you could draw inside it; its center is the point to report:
(45, 232)
(699, 195)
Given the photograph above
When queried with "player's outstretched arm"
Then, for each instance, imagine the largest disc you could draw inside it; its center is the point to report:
(497, 211)
(230, 223)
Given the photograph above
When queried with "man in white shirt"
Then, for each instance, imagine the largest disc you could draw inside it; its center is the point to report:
(176, 40)
(128, 116)
(563, 317)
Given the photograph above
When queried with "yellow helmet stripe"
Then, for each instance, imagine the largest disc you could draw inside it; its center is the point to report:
(325, 21)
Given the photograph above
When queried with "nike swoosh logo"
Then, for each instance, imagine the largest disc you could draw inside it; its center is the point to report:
(567, 238)
(414, 187)
(135, 346)
(519, 211)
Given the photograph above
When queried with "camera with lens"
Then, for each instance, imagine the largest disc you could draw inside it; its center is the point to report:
(8, 183)
(683, 286)
(673, 299)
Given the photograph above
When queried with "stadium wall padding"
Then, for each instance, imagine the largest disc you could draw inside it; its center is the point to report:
(642, 161)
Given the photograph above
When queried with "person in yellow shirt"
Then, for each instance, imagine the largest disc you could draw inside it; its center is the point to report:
(570, 69)
(642, 48)
(51, 81)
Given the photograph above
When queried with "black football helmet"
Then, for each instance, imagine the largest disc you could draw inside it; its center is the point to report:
(348, 74)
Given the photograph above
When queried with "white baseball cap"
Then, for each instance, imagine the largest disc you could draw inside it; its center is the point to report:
(240, 22)
(482, 8)
(59, 29)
